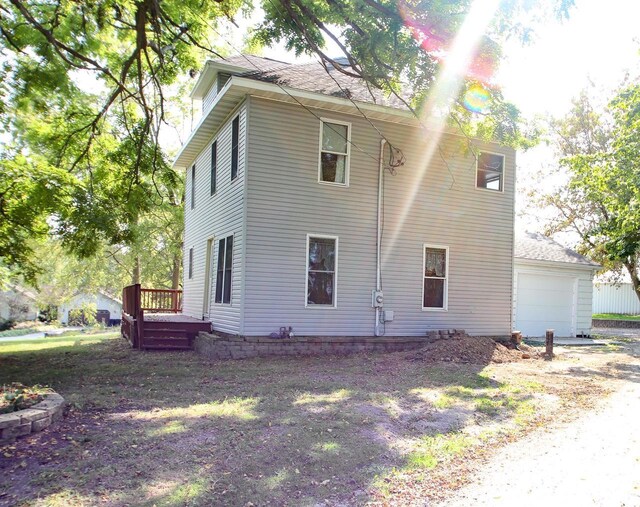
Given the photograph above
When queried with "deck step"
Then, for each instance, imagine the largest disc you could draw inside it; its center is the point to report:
(165, 333)
(166, 343)
(166, 347)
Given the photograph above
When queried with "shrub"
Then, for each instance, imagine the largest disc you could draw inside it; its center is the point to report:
(17, 396)
(6, 324)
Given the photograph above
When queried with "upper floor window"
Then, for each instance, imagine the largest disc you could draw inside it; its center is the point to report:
(490, 171)
(214, 166)
(235, 133)
(193, 186)
(322, 262)
(435, 278)
(224, 271)
(335, 139)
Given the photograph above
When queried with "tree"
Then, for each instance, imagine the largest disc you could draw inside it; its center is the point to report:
(84, 94)
(601, 201)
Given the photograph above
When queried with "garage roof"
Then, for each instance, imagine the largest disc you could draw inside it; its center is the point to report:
(534, 246)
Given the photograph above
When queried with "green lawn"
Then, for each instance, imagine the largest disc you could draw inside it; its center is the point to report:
(173, 428)
(615, 316)
(24, 330)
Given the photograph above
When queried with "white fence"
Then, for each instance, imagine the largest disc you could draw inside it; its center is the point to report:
(612, 298)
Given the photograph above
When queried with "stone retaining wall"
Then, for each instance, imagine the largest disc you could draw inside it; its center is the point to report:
(619, 324)
(31, 420)
(218, 346)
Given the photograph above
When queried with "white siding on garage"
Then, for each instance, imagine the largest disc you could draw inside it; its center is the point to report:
(615, 298)
(551, 295)
(101, 301)
(216, 216)
(285, 202)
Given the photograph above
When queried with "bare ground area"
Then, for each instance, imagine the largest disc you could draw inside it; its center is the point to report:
(396, 429)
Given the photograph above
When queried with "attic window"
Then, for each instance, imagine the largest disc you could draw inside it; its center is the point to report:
(490, 171)
(335, 139)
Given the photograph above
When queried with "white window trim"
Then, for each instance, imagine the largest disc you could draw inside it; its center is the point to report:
(215, 286)
(445, 302)
(191, 258)
(347, 164)
(504, 171)
(306, 274)
(217, 166)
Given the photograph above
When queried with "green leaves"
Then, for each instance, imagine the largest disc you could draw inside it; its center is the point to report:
(601, 201)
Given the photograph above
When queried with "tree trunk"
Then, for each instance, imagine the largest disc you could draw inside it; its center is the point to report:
(633, 273)
(175, 272)
(136, 270)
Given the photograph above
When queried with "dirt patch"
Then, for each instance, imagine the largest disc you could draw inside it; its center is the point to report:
(471, 350)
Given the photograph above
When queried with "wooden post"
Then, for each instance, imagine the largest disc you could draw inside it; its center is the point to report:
(140, 328)
(549, 343)
(516, 338)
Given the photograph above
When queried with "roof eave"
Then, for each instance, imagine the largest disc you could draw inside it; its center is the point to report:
(208, 75)
(592, 266)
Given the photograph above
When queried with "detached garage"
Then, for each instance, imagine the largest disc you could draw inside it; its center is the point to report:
(552, 287)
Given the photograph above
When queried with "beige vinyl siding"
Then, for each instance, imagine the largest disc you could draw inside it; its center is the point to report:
(285, 202)
(207, 100)
(585, 303)
(216, 216)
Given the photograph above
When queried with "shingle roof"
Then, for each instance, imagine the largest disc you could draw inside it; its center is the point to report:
(313, 77)
(534, 246)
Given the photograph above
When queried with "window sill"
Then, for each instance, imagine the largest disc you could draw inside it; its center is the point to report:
(490, 190)
(441, 310)
(332, 184)
(322, 307)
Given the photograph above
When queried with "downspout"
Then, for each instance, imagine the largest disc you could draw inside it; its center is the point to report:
(378, 329)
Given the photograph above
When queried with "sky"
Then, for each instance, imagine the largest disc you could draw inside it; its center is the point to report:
(598, 44)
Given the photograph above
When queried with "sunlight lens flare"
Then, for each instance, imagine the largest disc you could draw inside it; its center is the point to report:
(476, 99)
(461, 56)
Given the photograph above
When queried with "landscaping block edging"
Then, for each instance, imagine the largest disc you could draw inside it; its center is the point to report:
(218, 346)
(32, 419)
(619, 324)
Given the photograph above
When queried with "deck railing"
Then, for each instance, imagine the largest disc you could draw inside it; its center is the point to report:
(161, 300)
(135, 298)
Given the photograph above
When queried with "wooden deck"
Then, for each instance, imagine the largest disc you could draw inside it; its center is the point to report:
(150, 327)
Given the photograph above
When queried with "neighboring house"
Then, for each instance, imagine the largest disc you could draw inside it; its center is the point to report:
(109, 309)
(18, 304)
(287, 200)
(611, 297)
(552, 287)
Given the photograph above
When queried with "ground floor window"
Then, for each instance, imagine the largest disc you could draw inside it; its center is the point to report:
(224, 270)
(436, 275)
(322, 262)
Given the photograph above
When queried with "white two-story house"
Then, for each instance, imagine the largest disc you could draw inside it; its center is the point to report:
(314, 203)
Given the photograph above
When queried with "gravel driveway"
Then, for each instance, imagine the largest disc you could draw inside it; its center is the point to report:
(595, 460)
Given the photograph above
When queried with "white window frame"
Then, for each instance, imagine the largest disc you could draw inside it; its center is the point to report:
(335, 275)
(504, 171)
(347, 162)
(191, 259)
(445, 300)
(224, 237)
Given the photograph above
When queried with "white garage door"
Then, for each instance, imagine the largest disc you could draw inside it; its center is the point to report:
(544, 302)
